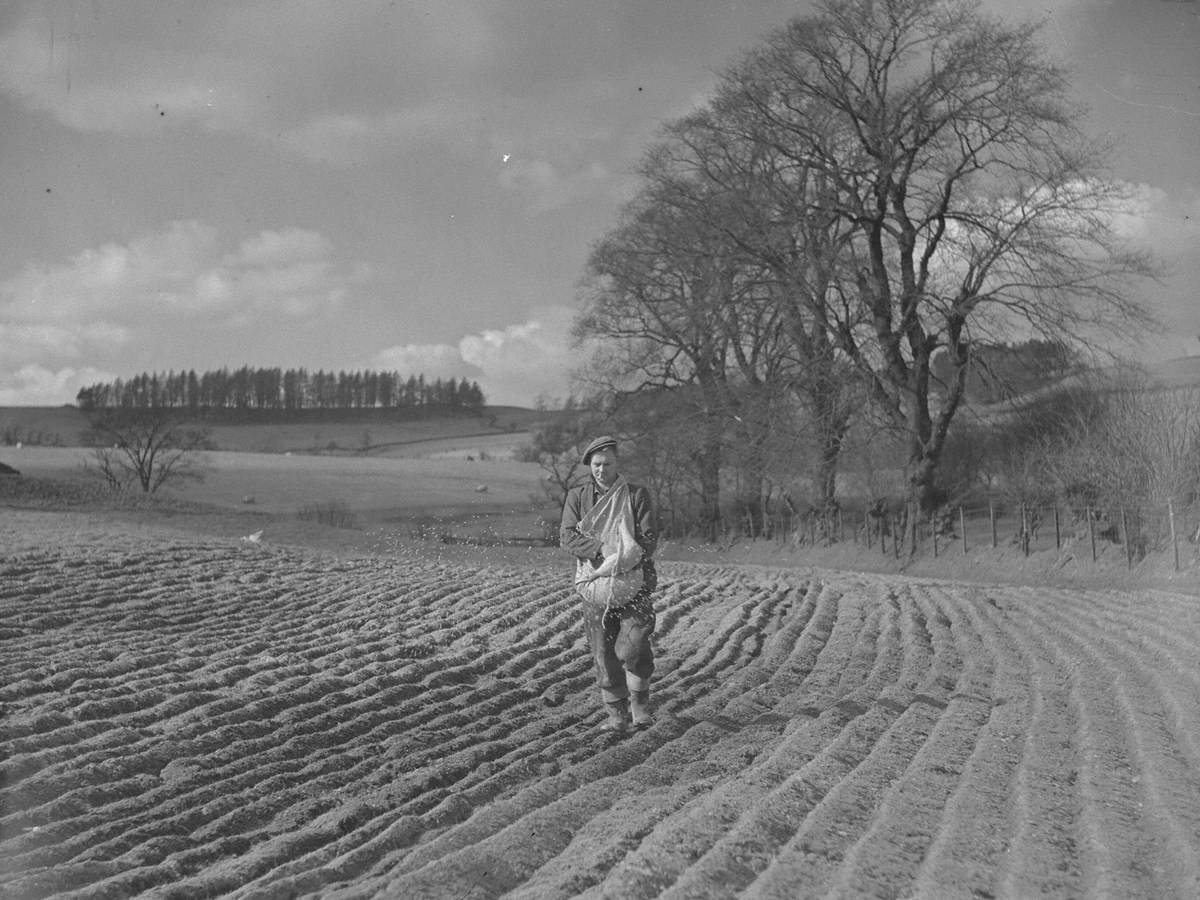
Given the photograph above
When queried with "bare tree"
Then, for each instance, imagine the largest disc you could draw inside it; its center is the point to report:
(1127, 440)
(151, 448)
(557, 443)
(760, 200)
(676, 308)
(957, 198)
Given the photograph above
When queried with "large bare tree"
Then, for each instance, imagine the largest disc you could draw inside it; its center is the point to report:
(761, 202)
(955, 196)
(676, 308)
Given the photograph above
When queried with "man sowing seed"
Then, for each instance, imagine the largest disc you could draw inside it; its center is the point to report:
(618, 629)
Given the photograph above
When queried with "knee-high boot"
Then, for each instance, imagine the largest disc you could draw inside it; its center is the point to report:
(639, 704)
(618, 716)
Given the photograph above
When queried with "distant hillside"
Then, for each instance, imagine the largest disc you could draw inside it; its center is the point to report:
(376, 432)
(370, 431)
(1181, 372)
(1001, 372)
(1004, 375)
(47, 425)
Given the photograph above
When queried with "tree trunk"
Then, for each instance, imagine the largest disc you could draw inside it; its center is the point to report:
(927, 436)
(708, 471)
(828, 456)
(751, 503)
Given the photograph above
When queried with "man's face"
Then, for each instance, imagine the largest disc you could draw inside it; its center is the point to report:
(604, 466)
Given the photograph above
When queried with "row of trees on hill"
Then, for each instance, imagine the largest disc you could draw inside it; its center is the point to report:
(825, 257)
(279, 389)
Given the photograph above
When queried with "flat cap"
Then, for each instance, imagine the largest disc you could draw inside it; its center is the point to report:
(600, 443)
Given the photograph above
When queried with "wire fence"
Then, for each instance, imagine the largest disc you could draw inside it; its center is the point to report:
(1138, 530)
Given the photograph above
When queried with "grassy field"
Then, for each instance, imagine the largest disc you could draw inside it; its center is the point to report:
(496, 499)
(443, 475)
(494, 432)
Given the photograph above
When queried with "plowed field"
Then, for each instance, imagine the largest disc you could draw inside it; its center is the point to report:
(191, 716)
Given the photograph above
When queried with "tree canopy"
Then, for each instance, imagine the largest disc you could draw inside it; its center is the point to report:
(875, 187)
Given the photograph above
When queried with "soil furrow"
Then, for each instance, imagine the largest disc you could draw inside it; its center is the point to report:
(1145, 804)
(978, 818)
(1051, 848)
(820, 804)
(673, 847)
(887, 857)
(676, 751)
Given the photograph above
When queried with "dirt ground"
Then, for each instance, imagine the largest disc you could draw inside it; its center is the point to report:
(353, 714)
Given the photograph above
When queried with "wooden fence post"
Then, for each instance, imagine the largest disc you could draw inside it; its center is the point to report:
(933, 528)
(992, 518)
(1057, 531)
(1024, 529)
(1091, 530)
(1174, 539)
(962, 526)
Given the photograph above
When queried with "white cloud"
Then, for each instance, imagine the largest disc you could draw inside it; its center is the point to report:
(34, 385)
(344, 139)
(290, 272)
(52, 64)
(294, 79)
(553, 161)
(341, 139)
(21, 344)
(288, 245)
(117, 302)
(513, 365)
(523, 361)
(430, 360)
(549, 187)
(315, 82)
(103, 280)
(113, 306)
(289, 75)
(454, 34)
(1168, 224)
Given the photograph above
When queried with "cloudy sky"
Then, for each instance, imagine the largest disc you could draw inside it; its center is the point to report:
(415, 184)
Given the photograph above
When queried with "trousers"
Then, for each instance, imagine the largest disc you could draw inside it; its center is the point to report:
(619, 641)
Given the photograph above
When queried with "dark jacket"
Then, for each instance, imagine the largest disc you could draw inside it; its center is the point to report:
(580, 501)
